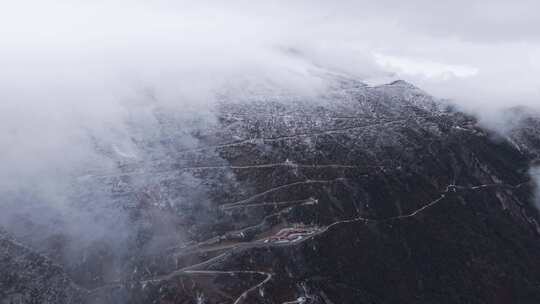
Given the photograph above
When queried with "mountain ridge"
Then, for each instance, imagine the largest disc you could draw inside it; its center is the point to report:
(370, 195)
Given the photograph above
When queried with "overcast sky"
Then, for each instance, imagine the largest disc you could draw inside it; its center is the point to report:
(68, 66)
(486, 50)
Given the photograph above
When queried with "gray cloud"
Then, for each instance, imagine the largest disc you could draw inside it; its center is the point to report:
(190, 49)
(74, 71)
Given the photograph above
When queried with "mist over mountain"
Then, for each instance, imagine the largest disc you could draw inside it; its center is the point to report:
(277, 152)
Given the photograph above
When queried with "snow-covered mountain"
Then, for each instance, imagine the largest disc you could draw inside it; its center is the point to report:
(367, 194)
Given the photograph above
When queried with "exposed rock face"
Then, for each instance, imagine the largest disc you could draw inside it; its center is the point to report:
(370, 195)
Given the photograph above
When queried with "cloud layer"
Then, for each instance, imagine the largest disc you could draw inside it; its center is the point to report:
(74, 71)
(481, 50)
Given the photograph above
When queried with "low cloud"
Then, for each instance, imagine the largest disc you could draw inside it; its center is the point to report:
(80, 80)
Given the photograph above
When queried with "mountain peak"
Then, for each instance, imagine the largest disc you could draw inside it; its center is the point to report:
(402, 83)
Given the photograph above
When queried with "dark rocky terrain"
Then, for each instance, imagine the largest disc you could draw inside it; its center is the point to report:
(367, 195)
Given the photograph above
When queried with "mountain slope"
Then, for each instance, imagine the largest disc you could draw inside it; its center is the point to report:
(365, 195)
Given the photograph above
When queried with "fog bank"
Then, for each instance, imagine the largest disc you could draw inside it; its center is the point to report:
(81, 81)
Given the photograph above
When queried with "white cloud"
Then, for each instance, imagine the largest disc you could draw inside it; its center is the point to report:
(424, 68)
(77, 60)
(73, 68)
(69, 66)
